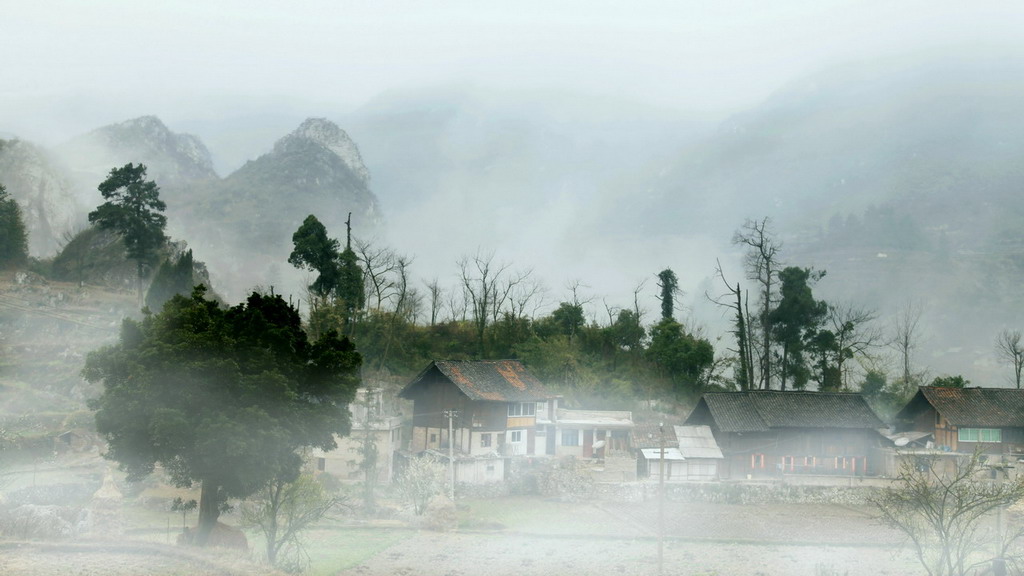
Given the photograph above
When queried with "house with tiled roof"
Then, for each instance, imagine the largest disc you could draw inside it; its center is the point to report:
(482, 413)
(773, 433)
(967, 419)
(497, 410)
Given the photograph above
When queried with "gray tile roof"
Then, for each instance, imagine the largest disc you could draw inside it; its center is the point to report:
(763, 410)
(488, 380)
(648, 435)
(978, 407)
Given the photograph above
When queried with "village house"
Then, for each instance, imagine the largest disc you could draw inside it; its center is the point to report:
(480, 412)
(768, 433)
(962, 420)
(495, 410)
(375, 420)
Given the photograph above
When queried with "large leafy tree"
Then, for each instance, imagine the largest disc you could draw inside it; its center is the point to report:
(314, 250)
(683, 359)
(13, 236)
(795, 322)
(133, 209)
(222, 397)
(340, 280)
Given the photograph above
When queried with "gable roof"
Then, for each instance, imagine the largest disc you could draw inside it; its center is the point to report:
(697, 442)
(486, 380)
(649, 435)
(980, 407)
(763, 410)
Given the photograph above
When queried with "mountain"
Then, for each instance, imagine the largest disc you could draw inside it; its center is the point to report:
(921, 135)
(516, 172)
(173, 160)
(44, 190)
(901, 178)
(242, 225)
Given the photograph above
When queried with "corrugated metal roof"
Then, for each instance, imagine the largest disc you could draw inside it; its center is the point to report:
(978, 407)
(655, 454)
(697, 442)
(488, 380)
(762, 410)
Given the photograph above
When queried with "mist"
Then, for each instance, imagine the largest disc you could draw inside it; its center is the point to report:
(590, 145)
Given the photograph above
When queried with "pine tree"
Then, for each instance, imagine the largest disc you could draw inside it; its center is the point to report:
(173, 277)
(13, 235)
(133, 210)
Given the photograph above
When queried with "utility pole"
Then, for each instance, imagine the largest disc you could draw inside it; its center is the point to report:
(661, 497)
(450, 415)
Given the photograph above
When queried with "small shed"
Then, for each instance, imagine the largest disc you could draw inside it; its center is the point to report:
(674, 464)
(702, 454)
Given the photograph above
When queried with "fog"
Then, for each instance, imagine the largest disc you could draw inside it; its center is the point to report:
(561, 120)
(593, 143)
(70, 67)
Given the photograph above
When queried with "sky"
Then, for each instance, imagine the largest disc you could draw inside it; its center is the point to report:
(69, 66)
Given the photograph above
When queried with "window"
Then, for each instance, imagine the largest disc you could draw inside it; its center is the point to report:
(433, 438)
(321, 464)
(980, 435)
(522, 409)
(515, 436)
(570, 437)
(485, 440)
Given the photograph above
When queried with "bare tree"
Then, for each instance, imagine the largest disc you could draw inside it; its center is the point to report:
(515, 290)
(1009, 348)
(481, 282)
(526, 298)
(741, 328)
(761, 263)
(855, 332)
(282, 510)
(400, 295)
(435, 299)
(380, 264)
(906, 333)
(941, 514)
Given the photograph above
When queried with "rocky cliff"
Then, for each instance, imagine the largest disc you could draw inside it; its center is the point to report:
(45, 192)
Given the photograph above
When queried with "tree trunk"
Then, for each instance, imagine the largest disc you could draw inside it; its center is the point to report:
(209, 511)
(138, 282)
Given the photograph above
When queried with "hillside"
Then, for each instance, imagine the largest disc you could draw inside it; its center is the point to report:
(900, 177)
(46, 330)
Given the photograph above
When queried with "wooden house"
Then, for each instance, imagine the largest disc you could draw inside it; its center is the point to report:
(967, 419)
(494, 409)
(773, 433)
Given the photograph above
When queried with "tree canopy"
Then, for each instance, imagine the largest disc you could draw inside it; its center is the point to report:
(133, 210)
(223, 397)
(13, 235)
(173, 277)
